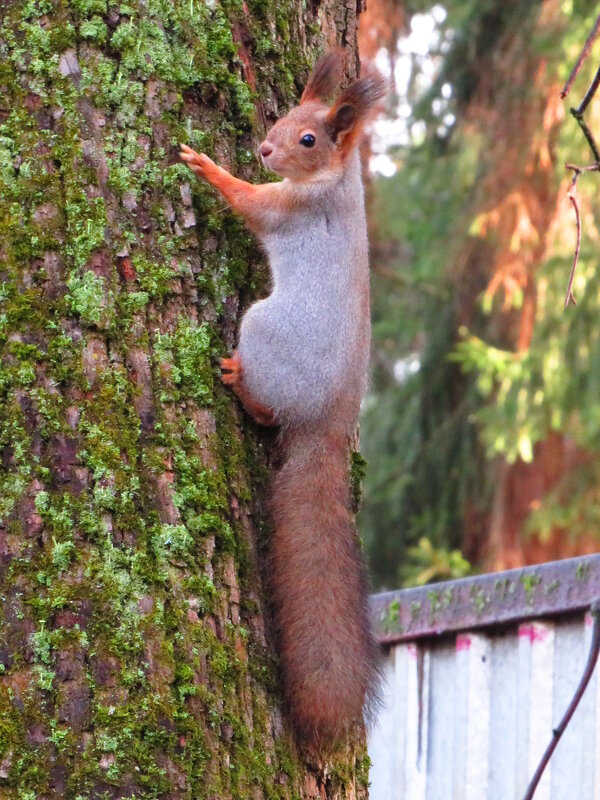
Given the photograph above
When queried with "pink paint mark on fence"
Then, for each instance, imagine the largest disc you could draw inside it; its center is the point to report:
(463, 642)
(533, 632)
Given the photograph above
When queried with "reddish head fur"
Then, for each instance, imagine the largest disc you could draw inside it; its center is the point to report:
(335, 131)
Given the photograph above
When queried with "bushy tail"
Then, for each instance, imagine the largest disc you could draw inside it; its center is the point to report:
(328, 653)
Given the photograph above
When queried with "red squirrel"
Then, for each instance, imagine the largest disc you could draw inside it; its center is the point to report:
(301, 364)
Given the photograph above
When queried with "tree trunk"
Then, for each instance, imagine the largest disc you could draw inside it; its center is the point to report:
(134, 661)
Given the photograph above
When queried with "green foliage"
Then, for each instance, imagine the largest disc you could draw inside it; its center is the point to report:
(429, 564)
(435, 437)
(417, 435)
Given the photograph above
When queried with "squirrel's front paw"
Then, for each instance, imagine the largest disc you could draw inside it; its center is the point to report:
(198, 162)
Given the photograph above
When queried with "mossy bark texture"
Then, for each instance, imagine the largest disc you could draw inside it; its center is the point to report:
(134, 661)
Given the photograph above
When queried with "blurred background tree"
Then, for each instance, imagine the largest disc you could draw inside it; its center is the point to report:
(482, 428)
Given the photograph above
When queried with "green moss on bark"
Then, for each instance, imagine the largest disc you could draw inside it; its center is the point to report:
(133, 658)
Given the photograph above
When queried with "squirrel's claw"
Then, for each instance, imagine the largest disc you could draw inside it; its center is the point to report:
(196, 161)
(233, 364)
(233, 377)
(186, 153)
(232, 370)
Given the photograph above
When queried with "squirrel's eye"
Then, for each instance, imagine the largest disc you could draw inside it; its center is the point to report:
(308, 140)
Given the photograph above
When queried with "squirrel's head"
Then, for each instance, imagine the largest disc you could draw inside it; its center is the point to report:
(314, 139)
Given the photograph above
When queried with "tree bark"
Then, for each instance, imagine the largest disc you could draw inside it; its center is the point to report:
(135, 660)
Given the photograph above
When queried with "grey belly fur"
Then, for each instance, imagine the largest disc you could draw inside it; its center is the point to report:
(308, 342)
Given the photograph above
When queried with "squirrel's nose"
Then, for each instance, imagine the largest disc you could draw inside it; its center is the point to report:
(266, 149)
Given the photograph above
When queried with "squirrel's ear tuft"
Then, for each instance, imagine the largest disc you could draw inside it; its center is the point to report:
(364, 94)
(356, 104)
(325, 77)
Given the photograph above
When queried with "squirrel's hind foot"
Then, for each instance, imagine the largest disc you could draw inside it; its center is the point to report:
(233, 376)
(231, 369)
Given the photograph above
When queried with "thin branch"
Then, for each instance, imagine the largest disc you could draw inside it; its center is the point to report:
(572, 195)
(595, 167)
(578, 114)
(585, 679)
(590, 93)
(570, 297)
(583, 55)
(586, 132)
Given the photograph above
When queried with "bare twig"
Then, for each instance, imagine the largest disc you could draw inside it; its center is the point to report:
(586, 131)
(594, 167)
(585, 679)
(570, 297)
(572, 195)
(590, 93)
(582, 56)
(578, 114)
